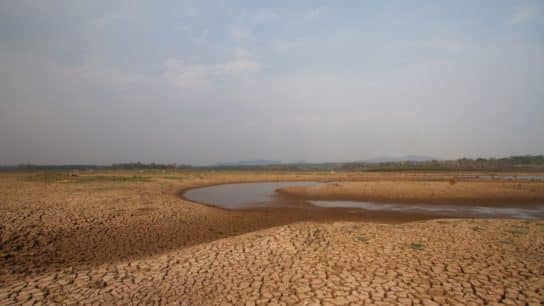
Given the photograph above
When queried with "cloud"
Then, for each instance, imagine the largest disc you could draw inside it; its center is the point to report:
(38, 77)
(239, 66)
(200, 76)
(263, 16)
(239, 33)
(313, 13)
(279, 82)
(186, 76)
(526, 14)
(239, 52)
(190, 9)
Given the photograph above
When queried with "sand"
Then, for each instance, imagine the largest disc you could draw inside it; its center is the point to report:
(75, 240)
(494, 193)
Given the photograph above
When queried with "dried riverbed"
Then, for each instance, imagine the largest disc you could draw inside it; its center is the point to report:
(127, 237)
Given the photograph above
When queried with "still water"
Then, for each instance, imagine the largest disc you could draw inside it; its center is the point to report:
(442, 210)
(258, 195)
(242, 195)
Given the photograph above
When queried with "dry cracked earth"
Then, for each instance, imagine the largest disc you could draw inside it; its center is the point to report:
(98, 246)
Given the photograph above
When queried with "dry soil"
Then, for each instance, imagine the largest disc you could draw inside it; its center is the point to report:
(128, 237)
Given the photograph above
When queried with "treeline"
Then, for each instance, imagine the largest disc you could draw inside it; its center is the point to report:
(120, 166)
(139, 165)
(512, 163)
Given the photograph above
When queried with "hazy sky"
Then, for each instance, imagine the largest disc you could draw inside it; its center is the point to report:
(206, 81)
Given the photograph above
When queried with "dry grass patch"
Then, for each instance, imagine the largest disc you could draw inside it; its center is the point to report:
(417, 246)
(361, 238)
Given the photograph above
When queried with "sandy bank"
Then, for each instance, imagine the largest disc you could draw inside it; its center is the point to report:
(527, 194)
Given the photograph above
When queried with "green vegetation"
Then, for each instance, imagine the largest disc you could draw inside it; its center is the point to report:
(58, 177)
(417, 246)
(111, 178)
(122, 166)
(512, 163)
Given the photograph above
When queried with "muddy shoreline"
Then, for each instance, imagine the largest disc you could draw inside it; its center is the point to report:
(405, 200)
(486, 193)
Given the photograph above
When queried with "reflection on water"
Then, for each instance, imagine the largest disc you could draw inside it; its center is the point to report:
(443, 210)
(242, 195)
(256, 195)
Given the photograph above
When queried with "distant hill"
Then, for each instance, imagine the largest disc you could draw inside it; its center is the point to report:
(257, 162)
(388, 159)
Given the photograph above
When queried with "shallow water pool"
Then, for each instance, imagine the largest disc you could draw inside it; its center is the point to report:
(240, 195)
(465, 211)
(259, 195)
